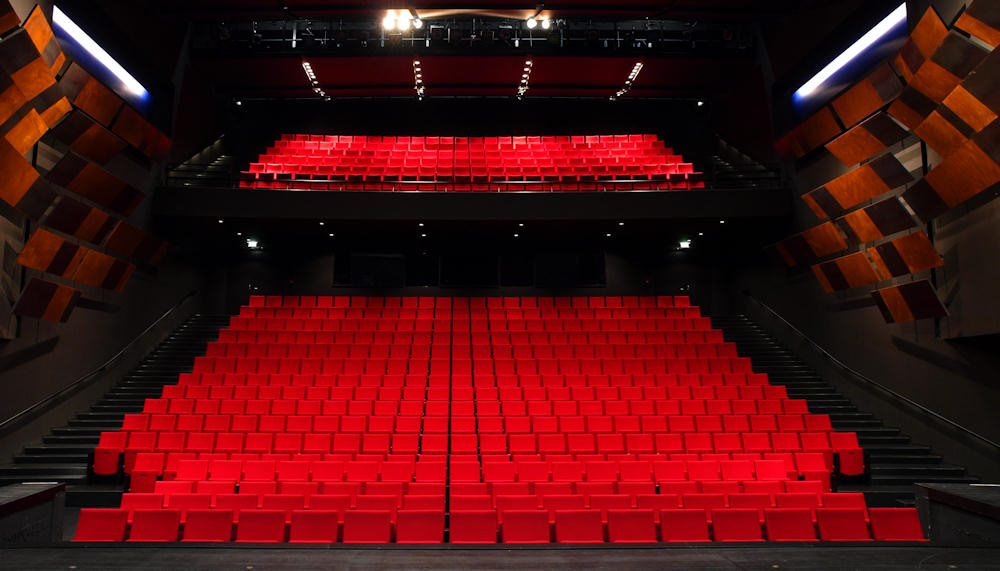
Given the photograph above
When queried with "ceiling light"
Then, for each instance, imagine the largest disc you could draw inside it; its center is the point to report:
(532, 23)
(220, 220)
(420, 224)
(546, 23)
(520, 225)
(701, 233)
(239, 103)
(701, 103)
(621, 223)
(403, 23)
(331, 234)
(252, 244)
(897, 17)
(684, 244)
(423, 235)
(418, 23)
(61, 20)
(608, 235)
(322, 223)
(239, 233)
(418, 80)
(389, 22)
(722, 221)
(516, 234)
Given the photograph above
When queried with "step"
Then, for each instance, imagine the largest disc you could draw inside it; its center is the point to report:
(907, 449)
(77, 479)
(11, 470)
(59, 449)
(80, 457)
(891, 479)
(916, 470)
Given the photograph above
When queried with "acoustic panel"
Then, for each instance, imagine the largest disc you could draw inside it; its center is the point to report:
(909, 302)
(954, 59)
(814, 243)
(968, 171)
(925, 38)
(982, 20)
(140, 133)
(868, 96)
(866, 140)
(92, 182)
(21, 60)
(49, 253)
(88, 138)
(26, 132)
(45, 300)
(876, 221)
(810, 134)
(38, 28)
(103, 271)
(850, 271)
(90, 95)
(129, 241)
(72, 217)
(18, 175)
(906, 255)
(944, 131)
(863, 183)
(977, 100)
(52, 105)
(11, 97)
(911, 108)
(8, 17)
(40, 196)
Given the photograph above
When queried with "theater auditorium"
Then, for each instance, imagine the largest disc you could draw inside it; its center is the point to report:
(433, 284)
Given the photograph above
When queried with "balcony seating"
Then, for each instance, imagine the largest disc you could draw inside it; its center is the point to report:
(520, 420)
(475, 164)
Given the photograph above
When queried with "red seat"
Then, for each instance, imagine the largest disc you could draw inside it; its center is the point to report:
(99, 524)
(736, 524)
(842, 524)
(525, 526)
(684, 525)
(896, 524)
(789, 524)
(420, 526)
(367, 526)
(314, 526)
(631, 526)
(261, 526)
(154, 525)
(578, 526)
(208, 525)
(473, 526)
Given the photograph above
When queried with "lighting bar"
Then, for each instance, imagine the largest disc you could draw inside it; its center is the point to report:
(525, 76)
(401, 20)
(632, 75)
(313, 80)
(59, 18)
(895, 18)
(418, 80)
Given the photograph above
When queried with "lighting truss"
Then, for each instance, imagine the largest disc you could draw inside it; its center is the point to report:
(313, 81)
(418, 80)
(525, 76)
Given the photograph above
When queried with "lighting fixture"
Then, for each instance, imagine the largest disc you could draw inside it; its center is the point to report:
(895, 18)
(621, 223)
(701, 103)
(252, 244)
(60, 19)
(608, 235)
(239, 103)
(423, 235)
(520, 225)
(313, 80)
(418, 23)
(420, 224)
(532, 23)
(389, 22)
(418, 80)
(684, 244)
(516, 234)
(331, 234)
(239, 233)
(522, 88)
(220, 220)
(632, 75)
(701, 233)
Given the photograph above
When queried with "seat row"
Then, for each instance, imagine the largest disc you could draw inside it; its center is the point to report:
(301, 140)
(463, 315)
(465, 338)
(643, 325)
(489, 526)
(358, 301)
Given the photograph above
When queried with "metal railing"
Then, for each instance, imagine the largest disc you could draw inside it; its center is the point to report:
(86, 379)
(858, 375)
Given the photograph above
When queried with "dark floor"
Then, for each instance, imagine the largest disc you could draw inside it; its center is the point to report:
(258, 558)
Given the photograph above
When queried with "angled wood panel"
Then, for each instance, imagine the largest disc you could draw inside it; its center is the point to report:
(906, 255)
(908, 302)
(850, 271)
(982, 20)
(103, 271)
(52, 105)
(129, 241)
(911, 108)
(90, 95)
(863, 183)
(811, 134)
(92, 182)
(977, 100)
(954, 59)
(140, 133)
(926, 36)
(876, 221)
(89, 138)
(814, 243)
(944, 131)
(18, 174)
(38, 28)
(868, 96)
(25, 65)
(72, 217)
(8, 17)
(45, 300)
(23, 134)
(866, 140)
(49, 253)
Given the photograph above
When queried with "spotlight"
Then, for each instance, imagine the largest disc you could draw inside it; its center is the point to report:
(701, 233)
(389, 22)
(331, 234)
(621, 223)
(532, 23)
(421, 224)
(252, 244)
(239, 103)
(418, 23)
(701, 104)
(220, 220)
(608, 235)
(722, 221)
(516, 234)
(403, 23)
(520, 225)
(684, 244)
(546, 23)
(239, 233)
(322, 223)
(423, 235)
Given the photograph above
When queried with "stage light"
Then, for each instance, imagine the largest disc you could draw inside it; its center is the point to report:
(423, 235)
(322, 223)
(701, 103)
(418, 23)
(220, 220)
(722, 221)
(621, 223)
(86, 42)
(608, 235)
(239, 233)
(403, 23)
(532, 23)
(520, 225)
(684, 244)
(897, 17)
(701, 233)
(389, 22)
(420, 224)
(418, 80)
(546, 23)
(633, 74)
(516, 234)
(252, 244)
(331, 234)
(239, 103)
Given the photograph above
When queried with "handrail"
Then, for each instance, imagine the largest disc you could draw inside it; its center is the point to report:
(871, 382)
(4, 426)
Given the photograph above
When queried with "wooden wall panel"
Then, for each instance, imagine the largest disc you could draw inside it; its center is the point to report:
(140, 133)
(868, 96)
(88, 138)
(982, 20)
(90, 95)
(863, 183)
(72, 217)
(850, 271)
(977, 100)
(18, 174)
(129, 241)
(8, 17)
(944, 131)
(21, 61)
(11, 98)
(954, 59)
(908, 302)
(926, 36)
(813, 133)
(92, 182)
(49, 253)
(812, 244)
(52, 105)
(906, 255)
(26, 132)
(103, 271)
(866, 140)
(876, 221)
(45, 300)
(911, 108)
(38, 28)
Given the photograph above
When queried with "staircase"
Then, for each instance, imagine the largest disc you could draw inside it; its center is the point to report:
(894, 462)
(64, 455)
